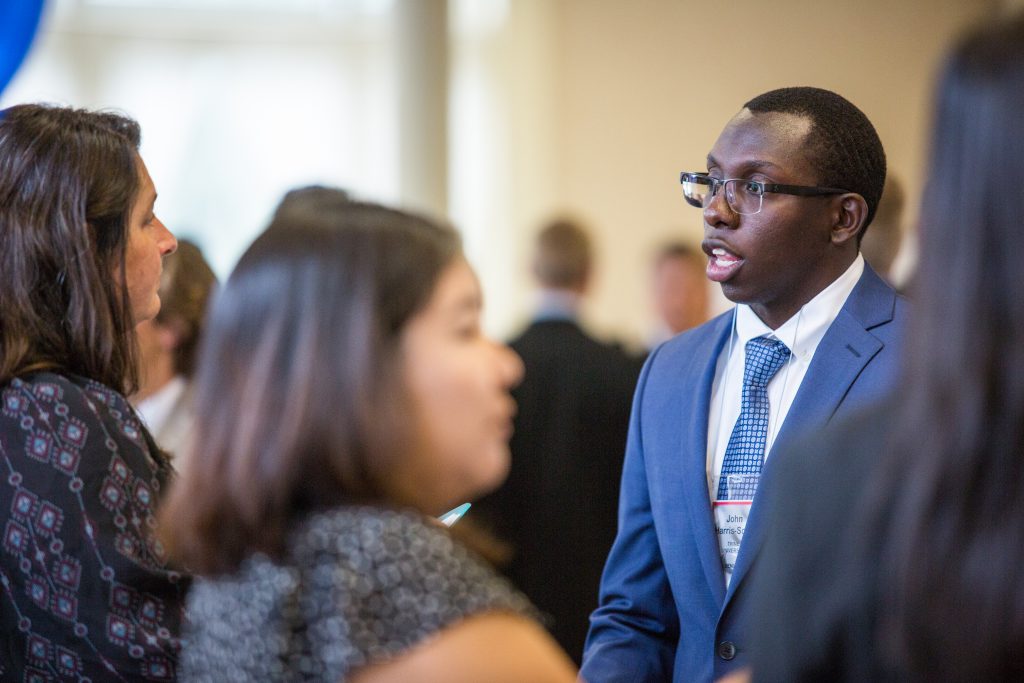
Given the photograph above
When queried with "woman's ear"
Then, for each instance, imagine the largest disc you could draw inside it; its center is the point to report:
(850, 216)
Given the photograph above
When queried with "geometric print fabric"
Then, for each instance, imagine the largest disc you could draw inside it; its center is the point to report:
(744, 455)
(85, 589)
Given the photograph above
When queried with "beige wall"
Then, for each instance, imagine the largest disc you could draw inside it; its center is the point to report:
(609, 99)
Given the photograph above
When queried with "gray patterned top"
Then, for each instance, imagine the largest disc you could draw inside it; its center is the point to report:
(359, 585)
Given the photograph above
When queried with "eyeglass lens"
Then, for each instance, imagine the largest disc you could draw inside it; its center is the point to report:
(743, 197)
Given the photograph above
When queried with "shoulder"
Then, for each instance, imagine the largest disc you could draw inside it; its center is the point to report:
(385, 548)
(362, 529)
(540, 334)
(566, 343)
(72, 414)
(69, 395)
(876, 305)
(687, 357)
(363, 584)
(686, 342)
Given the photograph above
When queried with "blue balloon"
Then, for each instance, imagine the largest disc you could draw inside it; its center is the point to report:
(19, 20)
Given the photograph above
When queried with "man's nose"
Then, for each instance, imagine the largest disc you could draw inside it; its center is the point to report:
(718, 213)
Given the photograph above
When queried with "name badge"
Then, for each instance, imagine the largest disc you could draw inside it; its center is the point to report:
(731, 517)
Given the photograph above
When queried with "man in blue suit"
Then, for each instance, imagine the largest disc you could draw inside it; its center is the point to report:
(792, 183)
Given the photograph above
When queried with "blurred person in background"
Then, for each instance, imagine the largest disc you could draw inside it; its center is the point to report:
(168, 345)
(87, 590)
(345, 396)
(680, 289)
(557, 510)
(881, 244)
(898, 546)
(310, 201)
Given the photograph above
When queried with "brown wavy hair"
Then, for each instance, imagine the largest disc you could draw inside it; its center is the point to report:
(68, 180)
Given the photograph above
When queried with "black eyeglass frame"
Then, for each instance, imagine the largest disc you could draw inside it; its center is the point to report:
(775, 188)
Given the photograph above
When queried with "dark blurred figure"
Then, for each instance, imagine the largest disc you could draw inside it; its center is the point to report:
(680, 289)
(881, 244)
(168, 345)
(899, 545)
(558, 507)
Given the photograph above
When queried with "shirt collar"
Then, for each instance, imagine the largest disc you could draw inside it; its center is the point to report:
(805, 330)
(557, 304)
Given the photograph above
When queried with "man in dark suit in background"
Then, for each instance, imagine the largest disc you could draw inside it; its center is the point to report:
(558, 507)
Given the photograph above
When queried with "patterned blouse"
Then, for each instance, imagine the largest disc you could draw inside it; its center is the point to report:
(86, 592)
(359, 585)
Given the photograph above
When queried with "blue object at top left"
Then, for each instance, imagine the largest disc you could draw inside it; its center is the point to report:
(19, 20)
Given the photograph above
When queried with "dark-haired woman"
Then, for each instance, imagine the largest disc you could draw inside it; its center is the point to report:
(346, 394)
(899, 552)
(86, 590)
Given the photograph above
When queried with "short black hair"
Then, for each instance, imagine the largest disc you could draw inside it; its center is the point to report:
(843, 144)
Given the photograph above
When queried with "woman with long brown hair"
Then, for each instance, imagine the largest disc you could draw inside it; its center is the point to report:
(87, 592)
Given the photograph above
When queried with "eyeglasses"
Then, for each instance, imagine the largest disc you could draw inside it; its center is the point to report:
(743, 196)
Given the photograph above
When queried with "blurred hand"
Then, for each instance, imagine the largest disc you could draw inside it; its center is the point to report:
(741, 676)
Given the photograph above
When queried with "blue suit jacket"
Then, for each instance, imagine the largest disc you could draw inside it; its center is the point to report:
(664, 611)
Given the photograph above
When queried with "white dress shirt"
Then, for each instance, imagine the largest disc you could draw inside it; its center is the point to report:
(801, 334)
(169, 415)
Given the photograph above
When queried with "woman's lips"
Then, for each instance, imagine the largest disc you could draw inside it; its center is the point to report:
(722, 265)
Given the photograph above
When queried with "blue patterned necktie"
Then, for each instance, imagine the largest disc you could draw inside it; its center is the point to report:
(745, 453)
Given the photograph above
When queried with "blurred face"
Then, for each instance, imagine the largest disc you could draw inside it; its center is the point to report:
(680, 292)
(148, 242)
(459, 382)
(778, 259)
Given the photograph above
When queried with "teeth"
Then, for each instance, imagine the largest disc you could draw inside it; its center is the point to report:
(722, 255)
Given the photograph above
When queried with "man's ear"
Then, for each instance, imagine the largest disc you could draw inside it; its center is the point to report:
(851, 212)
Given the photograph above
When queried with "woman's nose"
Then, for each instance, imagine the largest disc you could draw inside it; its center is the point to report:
(512, 366)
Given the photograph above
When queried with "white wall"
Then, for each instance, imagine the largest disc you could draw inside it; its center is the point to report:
(584, 106)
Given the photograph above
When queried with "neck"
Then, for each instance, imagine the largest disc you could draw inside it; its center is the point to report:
(774, 314)
(558, 303)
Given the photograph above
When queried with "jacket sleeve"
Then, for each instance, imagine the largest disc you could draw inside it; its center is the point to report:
(634, 631)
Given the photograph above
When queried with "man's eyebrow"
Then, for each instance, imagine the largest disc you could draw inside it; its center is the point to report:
(760, 163)
(751, 165)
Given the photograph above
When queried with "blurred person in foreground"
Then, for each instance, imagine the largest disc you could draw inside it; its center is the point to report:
(345, 396)
(679, 288)
(87, 590)
(558, 507)
(168, 345)
(898, 552)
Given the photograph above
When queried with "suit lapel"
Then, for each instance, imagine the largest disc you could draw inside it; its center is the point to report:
(841, 356)
(694, 448)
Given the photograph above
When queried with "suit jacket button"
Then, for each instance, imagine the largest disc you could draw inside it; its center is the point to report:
(727, 650)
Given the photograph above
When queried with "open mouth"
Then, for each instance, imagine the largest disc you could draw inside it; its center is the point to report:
(722, 264)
